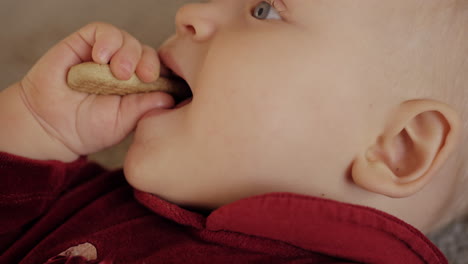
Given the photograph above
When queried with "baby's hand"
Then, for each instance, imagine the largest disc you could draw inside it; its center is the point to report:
(86, 123)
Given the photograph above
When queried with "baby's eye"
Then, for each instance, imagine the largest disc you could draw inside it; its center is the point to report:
(265, 10)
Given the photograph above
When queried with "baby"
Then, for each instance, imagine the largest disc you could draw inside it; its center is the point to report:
(358, 102)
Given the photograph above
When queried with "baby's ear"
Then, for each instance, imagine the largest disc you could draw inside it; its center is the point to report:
(416, 141)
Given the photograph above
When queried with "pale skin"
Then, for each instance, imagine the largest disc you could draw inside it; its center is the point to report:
(301, 101)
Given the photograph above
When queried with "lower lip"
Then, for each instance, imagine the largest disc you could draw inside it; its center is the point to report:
(158, 111)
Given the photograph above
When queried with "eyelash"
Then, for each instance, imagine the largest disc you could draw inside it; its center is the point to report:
(273, 4)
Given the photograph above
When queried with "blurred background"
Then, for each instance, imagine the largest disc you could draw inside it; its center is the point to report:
(31, 27)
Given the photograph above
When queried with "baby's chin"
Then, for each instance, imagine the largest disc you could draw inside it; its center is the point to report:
(136, 167)
(147, 169)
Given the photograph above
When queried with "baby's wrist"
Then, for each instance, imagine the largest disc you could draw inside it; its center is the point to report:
(22, 135)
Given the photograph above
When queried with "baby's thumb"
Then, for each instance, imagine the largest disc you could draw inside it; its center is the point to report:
(134, 106)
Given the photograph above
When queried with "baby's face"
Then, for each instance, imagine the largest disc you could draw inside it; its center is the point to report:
(283, 99)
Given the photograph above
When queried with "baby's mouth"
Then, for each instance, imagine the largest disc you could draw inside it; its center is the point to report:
(183, 93)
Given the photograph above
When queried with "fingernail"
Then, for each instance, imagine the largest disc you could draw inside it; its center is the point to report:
(127, 69)
(104, 55)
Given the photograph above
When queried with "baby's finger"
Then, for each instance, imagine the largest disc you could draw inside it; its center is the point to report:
(96, 41)
(132, 107)
(105, 39)
(125, 60)
(148, 67)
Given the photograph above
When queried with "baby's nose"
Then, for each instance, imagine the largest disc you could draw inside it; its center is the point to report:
(197, 20)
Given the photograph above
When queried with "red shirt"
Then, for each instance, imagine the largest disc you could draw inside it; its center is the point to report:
(47, 207)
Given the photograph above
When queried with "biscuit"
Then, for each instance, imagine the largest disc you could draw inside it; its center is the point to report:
(94, 78)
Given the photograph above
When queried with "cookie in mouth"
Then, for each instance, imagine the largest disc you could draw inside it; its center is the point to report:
(182, 90)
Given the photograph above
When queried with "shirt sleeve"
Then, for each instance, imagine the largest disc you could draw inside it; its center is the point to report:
(28, 188)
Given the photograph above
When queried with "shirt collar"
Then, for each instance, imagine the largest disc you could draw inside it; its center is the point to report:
(351, 232)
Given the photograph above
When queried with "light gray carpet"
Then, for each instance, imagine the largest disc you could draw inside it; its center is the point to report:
(30, 27)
